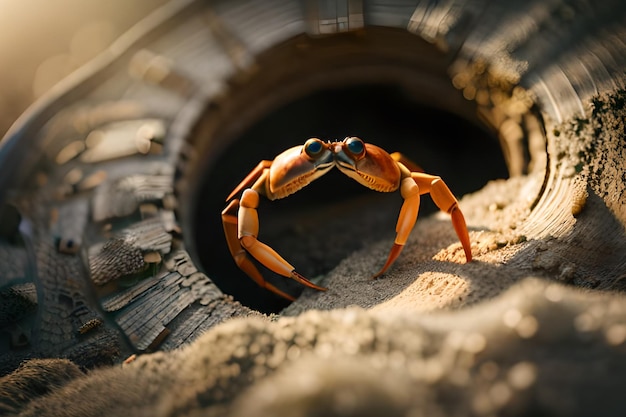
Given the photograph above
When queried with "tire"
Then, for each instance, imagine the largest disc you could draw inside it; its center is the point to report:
(106, 253)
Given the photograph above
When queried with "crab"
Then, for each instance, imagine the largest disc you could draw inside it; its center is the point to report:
(297, 167)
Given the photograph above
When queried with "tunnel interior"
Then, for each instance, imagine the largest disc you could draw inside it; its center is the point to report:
(387, 86)
(466, 155)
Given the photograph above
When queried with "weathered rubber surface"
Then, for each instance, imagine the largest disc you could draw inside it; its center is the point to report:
(97, 269)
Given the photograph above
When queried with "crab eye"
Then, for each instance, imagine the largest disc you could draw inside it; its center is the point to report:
(313, 147)
(355, 145)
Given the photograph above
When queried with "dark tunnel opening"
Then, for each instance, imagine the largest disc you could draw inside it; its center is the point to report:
(466, 155)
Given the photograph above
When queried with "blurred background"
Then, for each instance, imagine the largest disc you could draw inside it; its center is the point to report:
(41, 41)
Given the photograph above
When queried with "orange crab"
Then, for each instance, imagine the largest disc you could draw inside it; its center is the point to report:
(297, 167)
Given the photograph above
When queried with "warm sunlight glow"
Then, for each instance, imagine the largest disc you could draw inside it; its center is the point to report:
(42, 41)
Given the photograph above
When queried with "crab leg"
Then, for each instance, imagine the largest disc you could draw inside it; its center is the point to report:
(248, 230)
(239, 254)
(251, 178)
(406, 220)
(445, 200)
(412, 166)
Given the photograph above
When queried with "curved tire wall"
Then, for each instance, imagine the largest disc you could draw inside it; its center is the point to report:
(104, 183)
